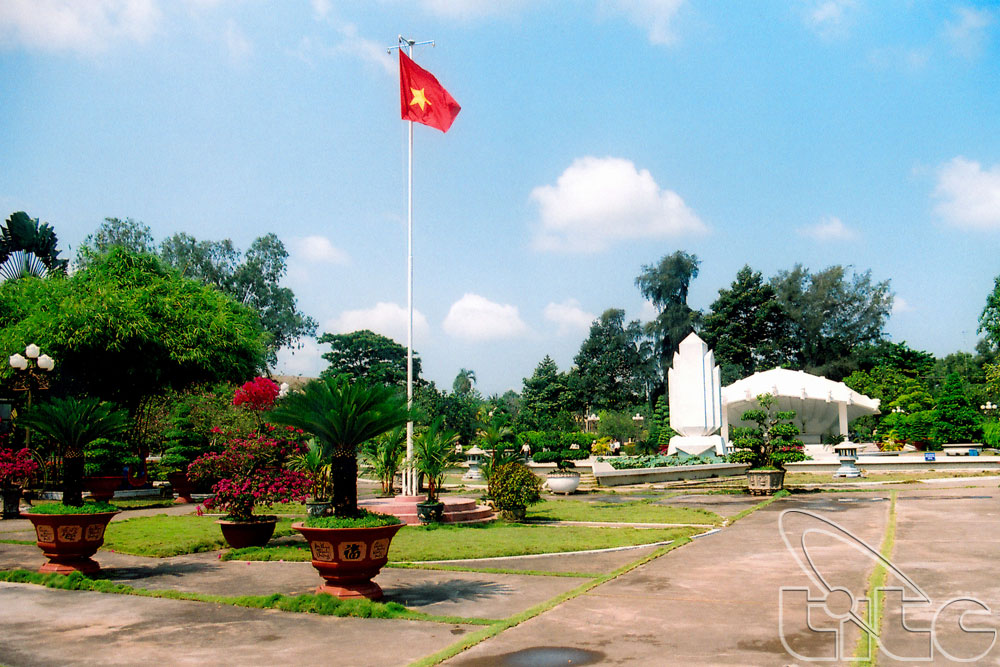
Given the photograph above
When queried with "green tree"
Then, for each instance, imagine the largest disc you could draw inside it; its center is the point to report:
(126, 328)
(28, 248)
(543, 398)
(129, 234)
(370, 356)
(616, 425)
(832, 315)
(747, 327)
(956, 421)
(897, 356)
(610, 366)
(666, 285)
(989, 319)
(464, 381)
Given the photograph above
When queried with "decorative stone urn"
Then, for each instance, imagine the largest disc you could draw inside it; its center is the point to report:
(765, 482)
(563, 481)
(349, 558)
(181, 486)
(242, 534)
(69, 540)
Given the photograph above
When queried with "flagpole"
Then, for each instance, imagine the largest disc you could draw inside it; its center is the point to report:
(409, 474)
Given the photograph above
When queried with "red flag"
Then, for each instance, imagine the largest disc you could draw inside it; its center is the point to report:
(422, 99)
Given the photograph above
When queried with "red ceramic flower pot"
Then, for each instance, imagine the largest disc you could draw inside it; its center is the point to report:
(181, 486)
(103, 488)
(69, 540)
(242, 534)
(349, 558)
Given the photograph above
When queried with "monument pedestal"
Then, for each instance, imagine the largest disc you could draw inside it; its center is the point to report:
(701, 445)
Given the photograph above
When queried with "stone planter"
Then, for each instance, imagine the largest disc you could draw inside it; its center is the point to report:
(349, 558)
(181, 486)
(69, 540)
(102, 488)
(11, 498)
(563, 482)
(765, 482)
(242, 534)
(430, 511)
(318, 508)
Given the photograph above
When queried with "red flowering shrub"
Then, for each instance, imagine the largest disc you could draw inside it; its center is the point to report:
(15, 465)
(252, 470)
(258, 395)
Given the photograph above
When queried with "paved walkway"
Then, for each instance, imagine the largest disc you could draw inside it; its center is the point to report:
(714, 601)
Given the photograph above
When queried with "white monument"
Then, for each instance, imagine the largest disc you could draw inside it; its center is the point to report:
(695, 397)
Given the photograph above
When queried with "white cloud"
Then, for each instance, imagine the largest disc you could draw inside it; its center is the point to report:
(470, 10)
(568, 317)
(388, 319)
(656, 16)
(968, 196)
(897, 58)
(351, 44)
(648, 313)
(597, 201)
(969, 31)
(476, 318)
(237, 43)
(318, 249)
(306, 360)
(829, 18)
(830, 228)
(901, 305)
(321, 8)
(68, 25)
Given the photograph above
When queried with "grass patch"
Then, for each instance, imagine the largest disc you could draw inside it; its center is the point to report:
(163, 535)
(876, 581)
(636, 511)
(143, 503)
(29, 542)
(750, 510)
(307, 603)
(88, 507)
(495, 540)
(489, 570)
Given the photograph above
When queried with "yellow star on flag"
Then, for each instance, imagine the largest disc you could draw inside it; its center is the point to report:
(419, 98)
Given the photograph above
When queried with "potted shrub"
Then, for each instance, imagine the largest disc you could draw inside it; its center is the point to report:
(252, 470)
(183, 444)
(70, 533)
(513, 487)
(383, 457)
(350, 547)
(16, 466)
(767, 446)
(311, 463)
(104, 462)
(563, 479)
(433, 454)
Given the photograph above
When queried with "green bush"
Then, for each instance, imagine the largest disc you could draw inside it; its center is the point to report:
(105, 457)
(991, 434)
(584, 440)
(86, 508)
(513, 487)
(366, 520)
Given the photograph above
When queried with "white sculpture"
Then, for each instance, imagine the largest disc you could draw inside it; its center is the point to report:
(695, 397)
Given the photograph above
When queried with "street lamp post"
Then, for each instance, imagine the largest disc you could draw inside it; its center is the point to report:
(29, 377)
(637, 420)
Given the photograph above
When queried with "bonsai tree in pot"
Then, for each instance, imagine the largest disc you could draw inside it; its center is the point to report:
(768, 445)
(564, 479)
(383, 456)
(104, 461)
(434, 453)
(69, 533)
(350, 547)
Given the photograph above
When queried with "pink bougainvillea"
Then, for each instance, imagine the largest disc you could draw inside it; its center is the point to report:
(258, 395)
(252, 470)
(15, 465)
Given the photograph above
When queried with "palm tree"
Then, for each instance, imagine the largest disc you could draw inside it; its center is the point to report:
(496, 440)
(342, 415)
(73, 424)
(464, 381)
(28, 248)
(384, 456)
(434, 453)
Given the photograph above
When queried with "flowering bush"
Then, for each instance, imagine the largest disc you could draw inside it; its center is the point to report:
(258, 395)
(253, 470)
(15, 465)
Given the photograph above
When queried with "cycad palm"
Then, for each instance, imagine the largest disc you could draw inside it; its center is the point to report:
(342, 415)
(73, 424)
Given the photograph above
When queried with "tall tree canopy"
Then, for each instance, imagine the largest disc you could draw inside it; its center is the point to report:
(611, 371)
(989, 320)
(368, 355)
(666, 285)
(464, 381)
(832, 315)
(747, 327)
(252, 278)
(28, 248)
(544, 397)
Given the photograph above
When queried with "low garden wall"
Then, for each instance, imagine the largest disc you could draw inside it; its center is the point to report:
(608, 476)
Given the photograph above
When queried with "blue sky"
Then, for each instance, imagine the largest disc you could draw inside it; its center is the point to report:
(595, 137)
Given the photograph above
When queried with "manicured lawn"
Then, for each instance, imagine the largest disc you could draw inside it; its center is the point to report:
(637, 511)
(164, 535)
(418, 543)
